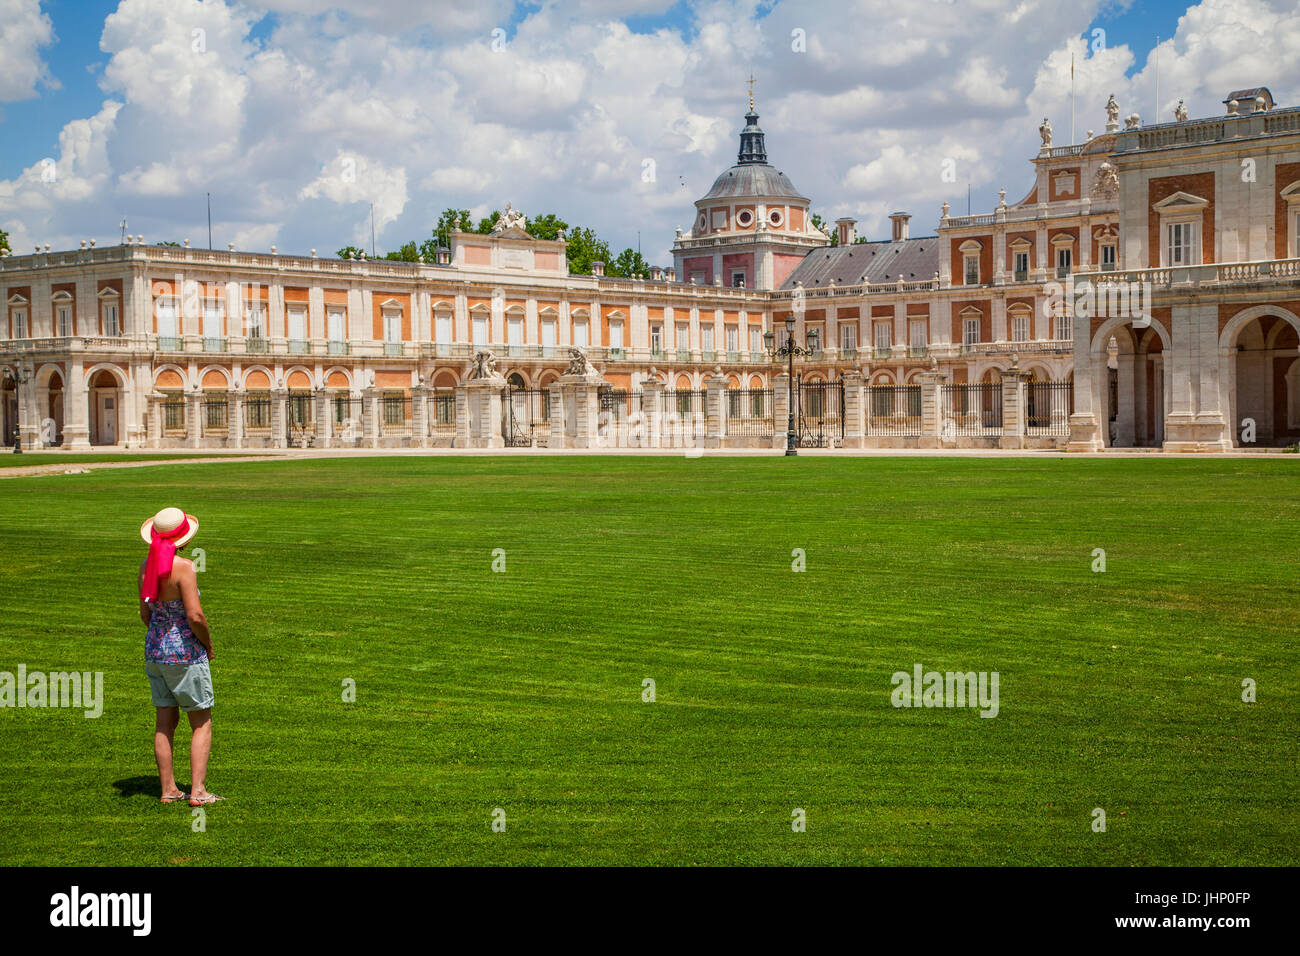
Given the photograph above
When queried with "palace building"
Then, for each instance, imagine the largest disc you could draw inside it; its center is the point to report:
(1145, 291)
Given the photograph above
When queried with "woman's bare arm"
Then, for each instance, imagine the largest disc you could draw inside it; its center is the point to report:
(145, 612)
(183, 572)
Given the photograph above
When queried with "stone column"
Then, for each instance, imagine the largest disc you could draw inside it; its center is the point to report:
(370, 417)
(484, 405)
(76, 410)
(155, 400)
(279, 425)
(559, 434)
(29, 422)
(854, 423)
(462, 418)
(715, 411)
(1013, 408)
(780, 409)
(322, 400)
(652, 398)
(420, 416)
(194, 418)
(1085, 425)
(235, 426)
(931, 409)
(1125, 416)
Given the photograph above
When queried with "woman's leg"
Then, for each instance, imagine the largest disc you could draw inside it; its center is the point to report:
(164, 731)
(200, 747)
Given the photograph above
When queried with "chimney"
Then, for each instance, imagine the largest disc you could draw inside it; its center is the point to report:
(671, 275)
(846, 230)
(597, 268)
(899, 220)
(442, 255)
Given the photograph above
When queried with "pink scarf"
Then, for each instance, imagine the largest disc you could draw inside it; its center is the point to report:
(162, 551)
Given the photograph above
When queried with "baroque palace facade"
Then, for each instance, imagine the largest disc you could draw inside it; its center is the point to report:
(1144, 292)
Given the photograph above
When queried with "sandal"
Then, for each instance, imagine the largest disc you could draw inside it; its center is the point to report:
(176, 798)
(206, 798)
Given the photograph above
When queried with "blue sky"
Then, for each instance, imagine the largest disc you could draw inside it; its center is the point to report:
(566, 120)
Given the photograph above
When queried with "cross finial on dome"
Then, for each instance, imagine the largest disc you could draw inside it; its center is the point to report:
(751, 92)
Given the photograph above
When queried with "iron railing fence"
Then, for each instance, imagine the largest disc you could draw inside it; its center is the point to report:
(526, 417)
(442, 413)
(1048, 407)
(819, 413)
(971, 410)
(394, 415)
(749, 413)
(893, 411)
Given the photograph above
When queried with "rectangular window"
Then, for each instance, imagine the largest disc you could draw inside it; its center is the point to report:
(656, 339)
(20, 323)
(1021, 265)
(580, 337)
(848, 338)
(166, 320)
(738, 280)
(917, 334)
(1064, 259)
(683, 335)
(548, 334)
(298, 325)
(755, 339)
(479, 329)
(1061, 328)
(256, 323)
(65, 320)
(1108, 257)
(1181, 244)
(883, 335)
(733, 338)
(1020, 328)
(111, 326)
(515, 335)
(972, 270)
(615, 335)
(211, 320)
(706, 338)
(970, 331)
(334, 322)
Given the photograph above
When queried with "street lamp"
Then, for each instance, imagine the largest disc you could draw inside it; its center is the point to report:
(18, 377)
(790, 350)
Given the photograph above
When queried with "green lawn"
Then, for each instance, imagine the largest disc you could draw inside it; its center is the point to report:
(9, 460)
(523, 690)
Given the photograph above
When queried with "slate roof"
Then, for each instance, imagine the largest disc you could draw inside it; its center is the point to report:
(880, 261)
(752, 179)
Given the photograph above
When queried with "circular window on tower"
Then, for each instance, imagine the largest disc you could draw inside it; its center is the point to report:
(774, 217)
(703, 223)
(744, 218)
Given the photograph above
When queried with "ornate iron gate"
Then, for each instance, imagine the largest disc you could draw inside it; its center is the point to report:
(819, 416)
(526, 417)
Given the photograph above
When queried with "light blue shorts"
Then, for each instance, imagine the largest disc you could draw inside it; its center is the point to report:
(187, 686)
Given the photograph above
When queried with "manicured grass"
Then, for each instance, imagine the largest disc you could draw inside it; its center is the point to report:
(523, 690)
(9, 460)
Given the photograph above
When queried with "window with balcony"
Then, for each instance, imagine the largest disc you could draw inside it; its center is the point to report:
(918, 335)
(336, 332)
(1064, 260)
(515, 335)
(64, 320)
(20, 323)
(549, 331)
(706, 342)
(682, 341)
(848, 339)
(972, 268)
(970, 332)
(392, 319)
(298, 330)
(1108, 256)
(656, 340)
(112, 322)
(1061, 328)
(733, 343)
(213, 335)
(255, 318)
(882, 335)
(1020, 265)
(478, 326)
(168, 340)
(581, 338)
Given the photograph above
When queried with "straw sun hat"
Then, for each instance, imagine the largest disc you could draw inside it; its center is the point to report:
(169, 519)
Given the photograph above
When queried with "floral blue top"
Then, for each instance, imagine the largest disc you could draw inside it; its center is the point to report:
(169, 639)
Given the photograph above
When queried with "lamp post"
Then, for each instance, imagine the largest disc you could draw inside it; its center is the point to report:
(18, 377)
(790, 350)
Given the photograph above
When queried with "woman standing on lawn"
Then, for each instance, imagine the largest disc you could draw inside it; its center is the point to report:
(177, 648)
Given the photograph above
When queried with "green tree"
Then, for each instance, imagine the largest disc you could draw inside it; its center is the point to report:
(174, 245)
(820, 223)
(351, 250)
(546, 226)
(487, 222)
(583, 247)
(4, 241)
(628, 263)
(442, 232)
(407, 253)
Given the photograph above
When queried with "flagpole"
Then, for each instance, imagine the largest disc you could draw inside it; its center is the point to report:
(1156, 116)
(1071, 99)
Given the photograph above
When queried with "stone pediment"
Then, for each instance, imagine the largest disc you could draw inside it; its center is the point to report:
(1181, 202)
